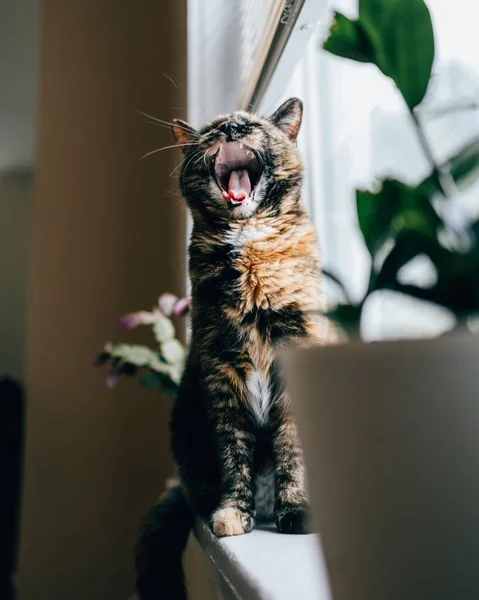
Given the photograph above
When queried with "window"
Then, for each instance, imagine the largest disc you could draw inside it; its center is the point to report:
(355, 127)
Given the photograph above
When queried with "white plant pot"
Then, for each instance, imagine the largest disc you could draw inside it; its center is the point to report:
(391, 439)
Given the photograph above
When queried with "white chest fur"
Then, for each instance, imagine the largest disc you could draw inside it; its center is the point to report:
(239, 235)
(260, 396)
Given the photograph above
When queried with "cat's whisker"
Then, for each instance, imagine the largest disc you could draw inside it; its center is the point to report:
(183, 162)
(198, 156)
(167, 148)
(170, 78)
(198, 108)
(266, 112)
(189, 159)
(195, 154)
(202, 157)
(177, 167)
(170, 125)
(198, 160)
(166, 75)
(156, 124)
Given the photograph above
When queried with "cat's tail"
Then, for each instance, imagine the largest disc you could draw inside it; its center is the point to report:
(163, 538)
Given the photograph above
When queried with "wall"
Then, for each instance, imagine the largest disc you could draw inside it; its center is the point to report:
(19, 49)
(16, 191)
(108, 237)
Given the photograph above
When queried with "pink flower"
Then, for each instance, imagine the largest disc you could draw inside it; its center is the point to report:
(137, 318)
(166, 302)
(182, 307)
(111, 380)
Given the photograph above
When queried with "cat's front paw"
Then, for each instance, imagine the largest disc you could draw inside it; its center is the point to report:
(230, 520)
(292, 519)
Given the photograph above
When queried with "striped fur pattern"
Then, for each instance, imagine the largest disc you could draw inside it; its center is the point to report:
(255, 271)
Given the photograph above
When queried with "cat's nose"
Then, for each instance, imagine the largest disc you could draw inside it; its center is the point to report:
(232, 130)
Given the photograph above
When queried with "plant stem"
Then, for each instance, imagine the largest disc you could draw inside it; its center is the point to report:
(455, 108)
(451, 213)
(445, 179)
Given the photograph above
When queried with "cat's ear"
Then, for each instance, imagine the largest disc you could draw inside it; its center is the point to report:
(184, 134)
(288, 117)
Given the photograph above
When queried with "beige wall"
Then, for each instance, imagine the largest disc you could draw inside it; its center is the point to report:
(108, 238)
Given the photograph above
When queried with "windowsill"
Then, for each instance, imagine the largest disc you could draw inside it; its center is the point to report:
(265, 565)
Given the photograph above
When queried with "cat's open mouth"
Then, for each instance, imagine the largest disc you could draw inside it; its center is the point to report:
(237, 171)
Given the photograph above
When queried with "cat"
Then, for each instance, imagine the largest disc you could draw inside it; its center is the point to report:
(255, 272)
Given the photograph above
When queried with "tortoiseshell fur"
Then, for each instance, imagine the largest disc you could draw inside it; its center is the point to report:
(256, 284)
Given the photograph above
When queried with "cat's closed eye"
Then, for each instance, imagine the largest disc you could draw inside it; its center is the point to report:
(235, 164)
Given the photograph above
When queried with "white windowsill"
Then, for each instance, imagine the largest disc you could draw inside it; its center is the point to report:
(265, 565)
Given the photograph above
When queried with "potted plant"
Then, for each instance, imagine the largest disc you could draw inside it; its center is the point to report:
(391, 429)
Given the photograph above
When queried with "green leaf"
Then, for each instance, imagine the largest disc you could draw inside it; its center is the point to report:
(474, 227)
(348, 40)
(172, 351)
(163, 329)
(430, 186)
(464, 166)
(395, 207)
(408, 41)
(402, 37)
(348, 316)
(375, 214)
(395, 35)
(457, 285)
(373, 14)
(140, 356)
(408, 245)
(160, 382)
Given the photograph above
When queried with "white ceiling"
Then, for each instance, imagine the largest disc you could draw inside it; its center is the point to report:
(19, 52)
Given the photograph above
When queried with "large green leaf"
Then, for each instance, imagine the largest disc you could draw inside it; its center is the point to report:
(375, 214)
(394, 208)
(373, 16)
(395, 35)
(348, 40)
(408, 40)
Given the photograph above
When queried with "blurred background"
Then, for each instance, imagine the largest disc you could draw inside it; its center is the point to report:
(88, 231)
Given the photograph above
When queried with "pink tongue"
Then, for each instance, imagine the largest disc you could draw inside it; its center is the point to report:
(239, 186)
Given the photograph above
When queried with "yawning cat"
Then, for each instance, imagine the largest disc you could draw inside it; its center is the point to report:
(255, 274)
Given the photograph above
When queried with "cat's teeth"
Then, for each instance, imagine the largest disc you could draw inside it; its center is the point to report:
(250, 154)
(241, 146)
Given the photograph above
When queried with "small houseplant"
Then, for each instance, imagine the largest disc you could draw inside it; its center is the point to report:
(391, 429)
(160, 367)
